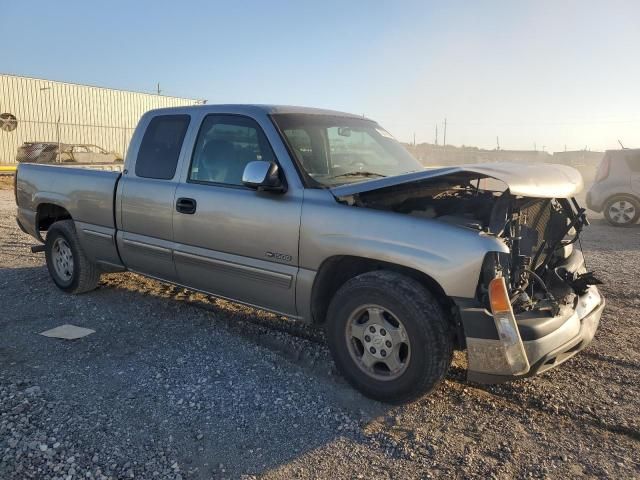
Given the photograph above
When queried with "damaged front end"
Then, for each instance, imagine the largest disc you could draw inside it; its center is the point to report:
(552, 305)
(543, 269)
(536, 305)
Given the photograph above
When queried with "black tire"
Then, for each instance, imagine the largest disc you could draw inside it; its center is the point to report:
(84, 274)
(426, 326)
(625, 218)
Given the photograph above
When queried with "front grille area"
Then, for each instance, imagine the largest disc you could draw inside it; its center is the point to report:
(534, 220)
(545, 221)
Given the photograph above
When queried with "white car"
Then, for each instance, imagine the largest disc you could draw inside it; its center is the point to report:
(84, 153)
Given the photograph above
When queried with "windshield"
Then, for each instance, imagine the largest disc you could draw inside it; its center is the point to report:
(334, 150)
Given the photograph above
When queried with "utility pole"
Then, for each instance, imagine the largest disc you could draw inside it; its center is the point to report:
(444, 140)
(414, 139)
(497, 143)
(158, 88)
(436, 134)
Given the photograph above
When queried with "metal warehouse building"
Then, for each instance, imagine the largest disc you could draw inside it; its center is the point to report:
(37, 110)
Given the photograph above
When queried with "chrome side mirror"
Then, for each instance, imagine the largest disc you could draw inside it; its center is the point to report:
(262, 175)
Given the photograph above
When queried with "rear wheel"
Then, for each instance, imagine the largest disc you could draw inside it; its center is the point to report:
(68, 266)
(622, 211)
(388, 336)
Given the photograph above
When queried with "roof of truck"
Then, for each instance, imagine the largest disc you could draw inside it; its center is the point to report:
(268, 109)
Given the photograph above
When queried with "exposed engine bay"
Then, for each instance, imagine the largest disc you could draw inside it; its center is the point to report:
(544, 270)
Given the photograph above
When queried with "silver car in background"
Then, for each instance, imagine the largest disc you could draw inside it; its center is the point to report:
(616, 190)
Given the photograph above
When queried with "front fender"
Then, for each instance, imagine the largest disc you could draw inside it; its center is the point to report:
(449, 254)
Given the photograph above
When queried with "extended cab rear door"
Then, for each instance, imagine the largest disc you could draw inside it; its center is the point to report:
(146, 195)
(231, 240)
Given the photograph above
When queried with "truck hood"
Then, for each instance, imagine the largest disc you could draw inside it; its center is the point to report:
(542, 180)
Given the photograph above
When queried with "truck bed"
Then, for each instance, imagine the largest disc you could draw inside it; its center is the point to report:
(86, 194)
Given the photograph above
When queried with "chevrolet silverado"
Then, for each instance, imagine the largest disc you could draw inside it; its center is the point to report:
(322, 216)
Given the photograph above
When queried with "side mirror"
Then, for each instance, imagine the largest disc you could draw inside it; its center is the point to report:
(262, 175)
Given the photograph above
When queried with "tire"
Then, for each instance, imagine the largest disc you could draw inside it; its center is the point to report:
(622, 210)
(68, 266)
(385, 298)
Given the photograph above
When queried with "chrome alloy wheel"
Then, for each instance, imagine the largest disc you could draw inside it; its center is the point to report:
(62, 259)
(378, 342)
(622, 212)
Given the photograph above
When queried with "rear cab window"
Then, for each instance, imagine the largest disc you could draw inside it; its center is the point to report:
(160, 147)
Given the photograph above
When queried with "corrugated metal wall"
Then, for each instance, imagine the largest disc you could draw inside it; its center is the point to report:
(69, 113)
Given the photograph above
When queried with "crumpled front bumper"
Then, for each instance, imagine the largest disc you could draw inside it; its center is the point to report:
(547, 341)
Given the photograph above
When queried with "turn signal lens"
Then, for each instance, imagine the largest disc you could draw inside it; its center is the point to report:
(498, 296)
(512, 347)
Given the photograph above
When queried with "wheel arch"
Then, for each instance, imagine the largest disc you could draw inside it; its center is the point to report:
(632, 196)
(337, 270)
(47, 214)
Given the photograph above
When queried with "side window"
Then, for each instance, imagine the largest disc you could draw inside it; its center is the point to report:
(633, 160)
(224, 146)
(160, 147)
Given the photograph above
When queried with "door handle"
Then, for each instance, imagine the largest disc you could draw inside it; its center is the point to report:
(186, 205)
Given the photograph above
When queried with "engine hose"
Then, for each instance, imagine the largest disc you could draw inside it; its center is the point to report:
(538, 279)
(542, 284)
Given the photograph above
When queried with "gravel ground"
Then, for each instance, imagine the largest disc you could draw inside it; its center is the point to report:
(175, 384)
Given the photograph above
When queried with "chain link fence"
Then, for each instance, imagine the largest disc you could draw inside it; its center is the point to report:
(57, 142)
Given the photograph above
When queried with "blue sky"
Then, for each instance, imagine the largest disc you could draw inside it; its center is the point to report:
(553, 73)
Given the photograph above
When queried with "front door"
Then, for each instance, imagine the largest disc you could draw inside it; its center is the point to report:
(230, 240)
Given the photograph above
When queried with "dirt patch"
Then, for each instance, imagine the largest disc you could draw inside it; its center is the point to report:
(6, 182)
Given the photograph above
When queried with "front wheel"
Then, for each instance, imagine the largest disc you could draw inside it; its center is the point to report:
(388, 336)
(68, 266)
(622, 211)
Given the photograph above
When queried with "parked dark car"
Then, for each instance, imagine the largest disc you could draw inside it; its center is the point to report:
(38, 152)
(616, 190)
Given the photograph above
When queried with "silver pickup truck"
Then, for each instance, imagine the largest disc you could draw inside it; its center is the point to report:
(322, 216)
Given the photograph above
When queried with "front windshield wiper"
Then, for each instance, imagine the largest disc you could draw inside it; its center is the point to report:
(359, 174)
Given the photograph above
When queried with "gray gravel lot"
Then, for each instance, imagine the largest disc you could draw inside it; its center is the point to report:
(175, 384)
